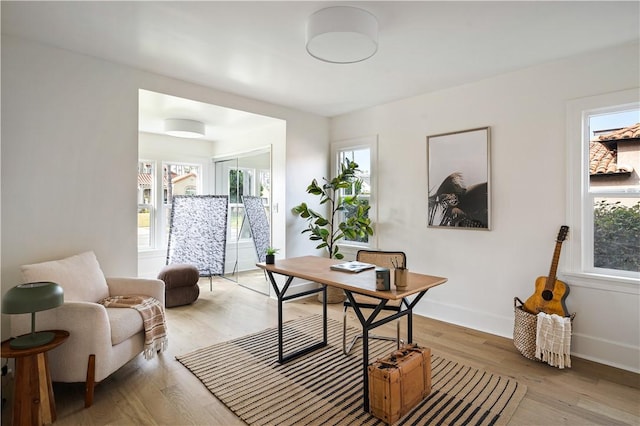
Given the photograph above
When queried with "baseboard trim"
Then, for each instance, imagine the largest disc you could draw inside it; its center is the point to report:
(608, 352)
(604, 351)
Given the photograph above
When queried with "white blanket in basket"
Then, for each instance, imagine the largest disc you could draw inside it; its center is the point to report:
(553, 340)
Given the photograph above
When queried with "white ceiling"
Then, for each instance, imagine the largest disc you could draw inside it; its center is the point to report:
(256, 49)
(220, 123)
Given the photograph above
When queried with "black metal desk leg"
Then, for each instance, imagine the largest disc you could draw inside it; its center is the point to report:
(324, 313)
(365, 368)
(410, 326)
(409, 314)
(282, 297)
(365, 348)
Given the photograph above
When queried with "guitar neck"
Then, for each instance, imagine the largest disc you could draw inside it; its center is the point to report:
(551, 278)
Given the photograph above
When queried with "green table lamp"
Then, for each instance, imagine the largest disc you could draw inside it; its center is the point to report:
(31, 298)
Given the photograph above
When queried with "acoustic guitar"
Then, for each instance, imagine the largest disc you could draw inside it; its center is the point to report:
(550, 293)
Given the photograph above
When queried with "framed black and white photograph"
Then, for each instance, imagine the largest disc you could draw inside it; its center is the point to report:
(458, 179)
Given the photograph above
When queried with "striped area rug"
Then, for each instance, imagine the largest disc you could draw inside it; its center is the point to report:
(325, 387)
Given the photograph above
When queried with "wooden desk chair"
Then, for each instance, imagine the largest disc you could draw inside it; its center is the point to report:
(385, 259)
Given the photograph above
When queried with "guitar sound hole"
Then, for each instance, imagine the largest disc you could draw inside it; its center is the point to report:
(547, 295)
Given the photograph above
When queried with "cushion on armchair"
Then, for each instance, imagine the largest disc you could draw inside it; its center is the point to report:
(124, 323)
(80, 276)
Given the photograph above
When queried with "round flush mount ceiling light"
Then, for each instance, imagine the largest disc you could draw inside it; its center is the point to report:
(342, 35)
(184, 128)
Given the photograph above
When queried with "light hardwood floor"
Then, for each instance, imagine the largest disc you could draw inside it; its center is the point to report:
(161, 391)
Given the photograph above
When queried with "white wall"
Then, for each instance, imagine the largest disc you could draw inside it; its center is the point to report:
(526, 113)
(70, 150)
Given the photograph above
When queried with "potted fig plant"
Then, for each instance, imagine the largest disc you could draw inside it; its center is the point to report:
(270, 257)
(348, 215)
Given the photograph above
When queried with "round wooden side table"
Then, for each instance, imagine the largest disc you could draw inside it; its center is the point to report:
(33, 402)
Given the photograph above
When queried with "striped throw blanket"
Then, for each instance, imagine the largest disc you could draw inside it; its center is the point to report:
(152, 313)
(553, 340)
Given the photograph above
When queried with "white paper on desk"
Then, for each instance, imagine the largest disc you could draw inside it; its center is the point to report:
(353, 266)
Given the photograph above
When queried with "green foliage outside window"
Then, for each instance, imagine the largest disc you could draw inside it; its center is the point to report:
(348, 217)
(351, 210)
(236, 185)
(616, 236)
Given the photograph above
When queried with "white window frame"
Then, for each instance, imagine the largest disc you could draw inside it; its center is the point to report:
(162, 233)
(579, 245)
(254, 189)
(152, 206)
(371, 143)
(160, 210)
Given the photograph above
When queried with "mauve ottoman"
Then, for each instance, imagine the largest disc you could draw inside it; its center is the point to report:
(180, 284)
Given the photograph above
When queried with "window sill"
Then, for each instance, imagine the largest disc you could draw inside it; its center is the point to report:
(150, 252)
(603, 282)
(351, 249)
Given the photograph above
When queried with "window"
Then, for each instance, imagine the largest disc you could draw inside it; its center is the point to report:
(604, 186)
(146, 177)
(614, 163)
(241, 182)
(177, 179)
(364, 152)
(154, 202)
(237, 181)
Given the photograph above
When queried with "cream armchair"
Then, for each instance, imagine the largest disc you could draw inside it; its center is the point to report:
(101, 339)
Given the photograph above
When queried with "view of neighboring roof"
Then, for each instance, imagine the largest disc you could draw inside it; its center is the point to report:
(183, 177)
(147, 178)
(631, 132)
(602, 160)
(603, 154)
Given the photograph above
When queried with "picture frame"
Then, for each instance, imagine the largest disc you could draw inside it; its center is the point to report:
(459, 179)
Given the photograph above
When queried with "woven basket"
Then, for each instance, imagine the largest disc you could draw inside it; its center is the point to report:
(334, 295)
(524, 330)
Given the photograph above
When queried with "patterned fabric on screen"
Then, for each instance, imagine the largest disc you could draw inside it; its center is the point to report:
(259, 224)
(198, 232)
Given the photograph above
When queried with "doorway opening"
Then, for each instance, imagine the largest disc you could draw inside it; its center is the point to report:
(241, 153)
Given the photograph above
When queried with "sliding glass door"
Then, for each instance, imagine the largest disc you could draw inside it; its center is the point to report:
(244, 175)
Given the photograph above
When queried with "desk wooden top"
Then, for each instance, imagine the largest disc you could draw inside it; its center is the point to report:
(317, 269)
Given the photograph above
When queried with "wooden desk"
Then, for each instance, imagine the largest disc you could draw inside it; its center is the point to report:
(33, 402)
(317, 269)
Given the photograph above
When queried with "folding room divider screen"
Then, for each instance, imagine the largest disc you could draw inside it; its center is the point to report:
(198, 232)
(257, 217)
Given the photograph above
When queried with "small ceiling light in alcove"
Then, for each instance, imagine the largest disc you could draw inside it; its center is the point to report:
(342, 35)
(184, 128)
